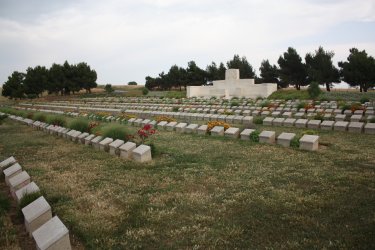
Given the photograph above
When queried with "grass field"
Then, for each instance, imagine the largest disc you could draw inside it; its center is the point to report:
(203, 192)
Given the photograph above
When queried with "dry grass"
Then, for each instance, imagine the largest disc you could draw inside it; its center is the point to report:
(206, 193)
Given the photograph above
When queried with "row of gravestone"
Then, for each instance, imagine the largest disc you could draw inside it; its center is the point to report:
(306, 142)
(126, 150)
(48, 232)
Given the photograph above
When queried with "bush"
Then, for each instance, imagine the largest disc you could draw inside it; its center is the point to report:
(28, 198)
(164, 118)
(258, 120)
(265, 104)
(145, 91)
(2, 117)
(319, 116)
(108, 88)
(175, 109)
(132, 83)
(314, 90)
(294, 143)
(212, 124)
(364, 99)
(309, 132)
(372, 120)
(57, 120)
(301, 105)
(254, 136)
(40, 117)
(115, 131)
(234, 103)
(79, 124)
(4, 204)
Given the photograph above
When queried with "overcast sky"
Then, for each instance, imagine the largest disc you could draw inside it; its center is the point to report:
(128, 40)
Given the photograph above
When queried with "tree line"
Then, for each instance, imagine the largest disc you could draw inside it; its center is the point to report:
(59, 79)
(357, 71)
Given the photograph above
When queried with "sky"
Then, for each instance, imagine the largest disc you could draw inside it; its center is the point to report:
(128, 40)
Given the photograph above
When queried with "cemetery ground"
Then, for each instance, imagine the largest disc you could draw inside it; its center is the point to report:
(204, 192)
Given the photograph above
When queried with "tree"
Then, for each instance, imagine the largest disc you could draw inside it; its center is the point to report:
(291, 69)
(358, 70)
(132, 83)
(221, 71)
(85, 77)
(314, 90)
(195, 75)
(56, 79)
(36, 81)
(269, 74)
(13, 87)
(246, 70)
(320, 68)
(108, 88)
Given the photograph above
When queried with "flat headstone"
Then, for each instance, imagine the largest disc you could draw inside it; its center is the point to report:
(238, 119)
(301, 123)
(104, 144)
(287, 114)
(191, 128)
(284, 139)
(18, 181)
(245, 134)
(327, 125)
(340, 117)
(12, 171)
(278, 121)
(36, 214)
(309, 142)
(114, 147)
(75, 135)
(289, 122)
(28, 189)
(81, 137)
(247, 120)
(268, 121)
(355, 118)
(142, 153)
(180, 128)
(138, 122)
(95, 141)
(340, 126)
(232, 132)
(127, 149)
(267, 137)
(202, 130)
(370, 128)
(217, 131)
(315, 124)
(52, 235)
(171, 126)
(131, 121)
(355, 127)
(7, 162)
(89, 138)
(162, 124)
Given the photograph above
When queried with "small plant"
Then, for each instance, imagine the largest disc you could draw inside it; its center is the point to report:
(294, 143)
(212, 124)
(40, 117)
(2, 118)
(145, 132)
(372, 120)
(28, 198)
(175, 109)
(356, 106)
(93, 125)
(145, 91)
(301, 105)
(265, 104)
(319, 116)
(30, 115)
(314, 90)
(234, 103)
(115, 131)
(258, 120)
(309, 132)
(4, 204)
(108, 88)
(165, 119)
(79, 124)
(364, 99)
(56, 120)
(254, 136)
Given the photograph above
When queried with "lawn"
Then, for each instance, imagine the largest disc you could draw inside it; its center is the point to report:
(202, 192)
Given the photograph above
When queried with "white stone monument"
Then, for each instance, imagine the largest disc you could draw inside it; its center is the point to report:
(233, 86)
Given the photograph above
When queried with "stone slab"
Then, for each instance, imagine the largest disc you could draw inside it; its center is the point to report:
(12, 171)
(202, 130)
(245, 134)
(36, 214)
(142, 153)
(284, 139)
(301, 123)
(232, 132)
(340, 126)
(180, 128)
(126, 149)
(356, 127)
(114, 147)
(7, 162)
(289, 122)
(88, 139)
(309, 142)
(18, 181)
(95, 141)
(217, 131)
(314, 124)
(369, 128)
(327, 125)
(104, 144)
(28, 189)
(267, 137)
(191, 128)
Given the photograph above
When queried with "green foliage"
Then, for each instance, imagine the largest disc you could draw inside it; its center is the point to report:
(4, 204)
(314, 90)
(57, 120)
(372, 120)
(345, 107)
(246, 70)
(301, 105)
(175, 109)
(176, 94)
(28, 198)
(269, 73)
(319, 116)
(294, 143)
(108, 88)
(234, 103)
(309, 132)
(265, 103)
(13, 87)
(145, 91)
(364, 99)
(258, 120)
(289, 94)
(132, 83)
(2, 118)
(115, 131)
(79, 124)
(254, 136)
(39, 116)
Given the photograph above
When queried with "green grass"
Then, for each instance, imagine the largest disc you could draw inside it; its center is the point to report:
(203, 192)
(115, 131)
(79, 124)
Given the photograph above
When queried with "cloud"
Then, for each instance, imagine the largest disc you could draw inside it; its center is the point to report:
(128, 40)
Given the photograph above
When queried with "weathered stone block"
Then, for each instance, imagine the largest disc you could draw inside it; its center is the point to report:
(278, 121)
(81, 137)
(284, 139)
(370, 128)
(36, 214)
(309, 142)
(12, 171)
(180, 128)
(88, 139)
(355, 118)
(289, 122)
(267, 137)
(202, 130)
(52, 235)
(315, 124)
(18, 181)
(232, 132)
(28, 189)
(162, 124)
(356, 127)
(340, 126)
(217, 131)
(301, 123)
(126, 149)
(114, 147)
(95, 142)
(327, 125)
(7, 162)
(268, 121)
(104, 144)
(191, 128)
(340, 117)
(245, 134)
(142, 153)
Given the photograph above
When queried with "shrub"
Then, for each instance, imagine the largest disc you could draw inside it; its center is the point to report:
(372, 120)
(145, 91)
(2, 117)
(258, 120)
(115, 131)
(28, 198)
(57, 120)
(175, 109)
(30, 115)
(309, 132)
(319, 116)
(234, 103)
(301, 105)
(314, 90)
(364, 99)
(345, 107)
(294, 143)
(164, 118)
(79, 124)
(212, 124)
(254, 136)
(40, 117)
(265, 103)
(4, 204)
